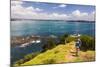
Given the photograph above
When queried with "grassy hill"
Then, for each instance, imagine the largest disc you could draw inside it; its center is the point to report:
(63, 53)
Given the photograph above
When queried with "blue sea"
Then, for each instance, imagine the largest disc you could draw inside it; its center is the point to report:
(45, 28)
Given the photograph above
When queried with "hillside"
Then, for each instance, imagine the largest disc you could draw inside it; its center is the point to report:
(62, 54)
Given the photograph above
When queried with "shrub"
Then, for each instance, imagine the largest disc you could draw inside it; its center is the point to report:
(28, 57)
(49, 45)
(63, 38)
(70, 39)
(88, 43)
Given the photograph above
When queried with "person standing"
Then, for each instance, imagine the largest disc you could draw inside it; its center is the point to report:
(78, 45)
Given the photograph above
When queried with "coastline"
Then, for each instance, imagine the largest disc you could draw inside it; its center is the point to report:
(19, 40)
(29, 44)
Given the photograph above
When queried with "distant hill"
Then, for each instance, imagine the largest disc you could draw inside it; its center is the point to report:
(52, 20)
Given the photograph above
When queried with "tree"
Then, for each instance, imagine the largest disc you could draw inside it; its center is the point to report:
(63, 38)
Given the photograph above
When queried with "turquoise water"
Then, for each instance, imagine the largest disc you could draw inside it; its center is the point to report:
(45, 28)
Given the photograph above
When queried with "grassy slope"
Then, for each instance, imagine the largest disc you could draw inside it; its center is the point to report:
(62, 54)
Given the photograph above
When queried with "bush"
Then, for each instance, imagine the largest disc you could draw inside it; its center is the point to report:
(28, 57)
(49, 45)
(63, 38)
(88, 43)
(70, 39)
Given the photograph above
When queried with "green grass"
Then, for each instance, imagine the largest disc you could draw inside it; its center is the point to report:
(61, 54)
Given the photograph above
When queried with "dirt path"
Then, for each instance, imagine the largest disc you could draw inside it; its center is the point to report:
(71, 55)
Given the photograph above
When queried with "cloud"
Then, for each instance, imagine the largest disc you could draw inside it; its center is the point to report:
(62, 5)
(30, 12)
(58, 16)
(18, 11)
(16, 3)
(33, 9)
(78, 15)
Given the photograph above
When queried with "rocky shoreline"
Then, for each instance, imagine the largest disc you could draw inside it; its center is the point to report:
(25, 40)
(18, 40)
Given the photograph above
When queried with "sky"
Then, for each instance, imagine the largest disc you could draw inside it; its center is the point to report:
(51, 11)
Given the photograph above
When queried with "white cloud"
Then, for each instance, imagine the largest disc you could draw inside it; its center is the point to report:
(16, 3)
(58, 16)
(18, 11)
(33, 9)
(38, 9)
(78, 15)
(62, 5)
